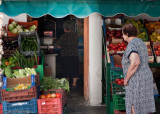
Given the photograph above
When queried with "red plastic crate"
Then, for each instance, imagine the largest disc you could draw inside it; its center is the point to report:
(26, 25)
(1, 109)
(19, 95)
(61, 91)
(50, 106)
(119, 112)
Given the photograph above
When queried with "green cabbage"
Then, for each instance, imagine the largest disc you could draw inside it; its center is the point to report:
(11, 27)
(14, 30)
(26, 30)
(33, 27)
(14, 23)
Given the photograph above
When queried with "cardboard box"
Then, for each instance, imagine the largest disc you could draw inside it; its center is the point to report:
(151, 58)
(116, 60)
(12, 82)
(157, 57)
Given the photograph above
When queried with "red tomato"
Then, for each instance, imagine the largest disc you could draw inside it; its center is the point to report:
(119, 50)
(119, 82)
(48, 96)
(114, 47)
(122, 80)
(122, 44)
(159, 46)
(58, 95)
(117, 79)
(114, 82)
(42, 97)
(156, 47)
(116, 65)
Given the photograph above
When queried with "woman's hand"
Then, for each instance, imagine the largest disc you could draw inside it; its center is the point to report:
(126, 81)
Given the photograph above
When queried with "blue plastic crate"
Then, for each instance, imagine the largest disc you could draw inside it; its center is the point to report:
(24, 107)
(38, 92)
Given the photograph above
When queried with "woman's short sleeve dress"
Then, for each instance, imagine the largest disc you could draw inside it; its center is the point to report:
(139, 91)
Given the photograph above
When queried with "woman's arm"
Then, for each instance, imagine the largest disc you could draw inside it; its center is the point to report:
(135, 62)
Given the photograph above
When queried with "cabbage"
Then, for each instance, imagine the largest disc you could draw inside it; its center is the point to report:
(26, 30)
(21, 30)
(33, 27)
(14, 30)
(19, 27)
(14, 23)
(32, 30)
(11, 27)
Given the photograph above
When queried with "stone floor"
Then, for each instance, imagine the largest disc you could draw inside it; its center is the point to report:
(77, 105)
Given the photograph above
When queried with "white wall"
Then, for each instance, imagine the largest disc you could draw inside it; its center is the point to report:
(95, 59)
(21, 18)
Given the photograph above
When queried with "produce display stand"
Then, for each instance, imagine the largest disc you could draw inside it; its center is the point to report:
(108, 68)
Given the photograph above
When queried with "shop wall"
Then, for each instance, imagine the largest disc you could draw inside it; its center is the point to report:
(21, 17)
(95, 59)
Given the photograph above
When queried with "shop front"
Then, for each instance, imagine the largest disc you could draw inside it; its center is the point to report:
(93, 34)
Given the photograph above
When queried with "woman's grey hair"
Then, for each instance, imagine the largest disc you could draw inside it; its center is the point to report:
(68, 25)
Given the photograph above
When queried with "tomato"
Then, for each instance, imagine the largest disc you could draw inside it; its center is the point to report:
(122, 80)
(48, 96)
(116, 65)
(114, 82)
(122, 45)
(156, 47)
(53, 95)
(117, 79)
(119, 82)
(114, 47)
(119, 50)
(58, 95)
(42, 97)
(159, 46)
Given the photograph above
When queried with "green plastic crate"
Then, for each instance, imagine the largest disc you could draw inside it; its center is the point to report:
(116, 74)
(40, 68)
(119, 102)
(118, 89)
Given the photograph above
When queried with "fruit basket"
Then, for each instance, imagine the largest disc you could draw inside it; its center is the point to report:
(50, 106)
(119, 102)
(23, 107)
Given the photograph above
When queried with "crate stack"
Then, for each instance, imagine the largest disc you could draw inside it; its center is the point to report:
(1, 52)
(117, 88)
(19, 101)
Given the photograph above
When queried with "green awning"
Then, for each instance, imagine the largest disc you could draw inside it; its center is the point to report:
(80, 8)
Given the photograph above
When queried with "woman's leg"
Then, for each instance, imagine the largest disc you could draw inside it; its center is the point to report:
(74, 82)
(132, 110)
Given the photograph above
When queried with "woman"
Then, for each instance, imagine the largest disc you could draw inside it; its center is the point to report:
(68, 43)
(138, 78)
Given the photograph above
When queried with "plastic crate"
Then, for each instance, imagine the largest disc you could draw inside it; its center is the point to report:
(50, 106)
(26, 25)
(19, 95)
(119, 102)
(118, 89)
(24, 107)
(119, 112)
(1, 109)
(61, 91)
(116, 74)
